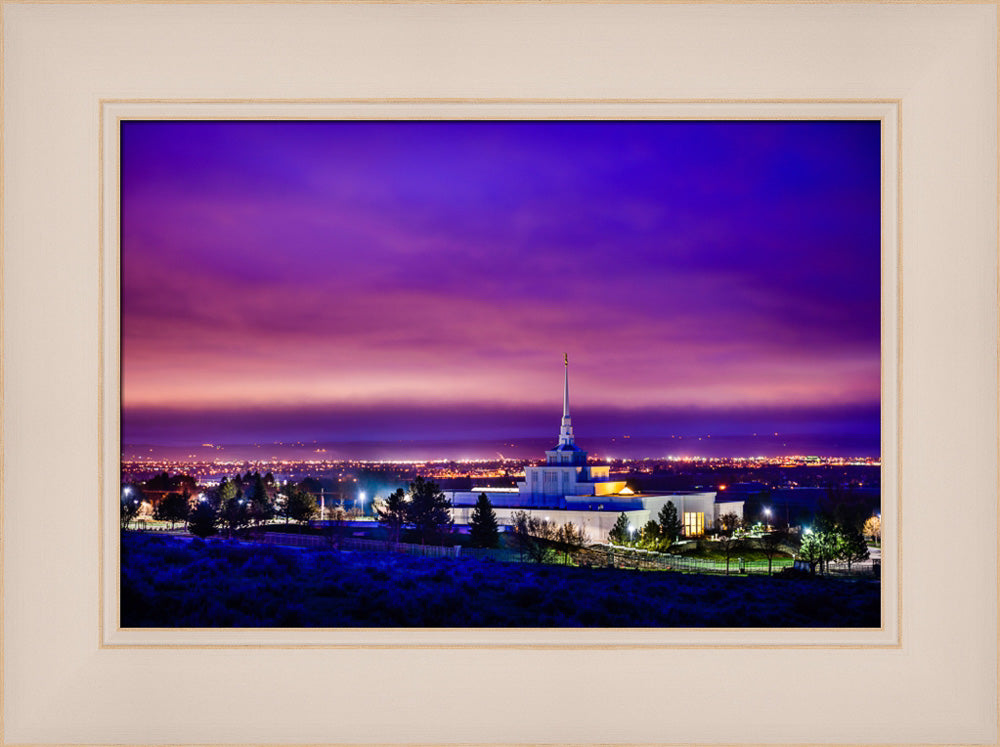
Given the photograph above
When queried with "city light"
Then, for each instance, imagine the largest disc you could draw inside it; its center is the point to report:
(209, 472)
(741, 478)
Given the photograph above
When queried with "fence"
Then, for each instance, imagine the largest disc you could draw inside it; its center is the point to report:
(870, 567)
(353, 543)
(506, 555)
(485, 553)
(627, 557)
(736, 565)
(603, 555)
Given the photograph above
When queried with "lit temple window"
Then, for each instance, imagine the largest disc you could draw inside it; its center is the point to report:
(694, 523)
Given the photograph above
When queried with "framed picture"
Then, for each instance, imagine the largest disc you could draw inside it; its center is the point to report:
(348, 471)
(92, 124)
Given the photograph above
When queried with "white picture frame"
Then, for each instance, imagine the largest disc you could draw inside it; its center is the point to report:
(932, 70)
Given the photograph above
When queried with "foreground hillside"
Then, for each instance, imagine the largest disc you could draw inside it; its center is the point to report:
(172, 582)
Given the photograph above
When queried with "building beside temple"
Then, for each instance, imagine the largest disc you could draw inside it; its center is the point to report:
(568, 488)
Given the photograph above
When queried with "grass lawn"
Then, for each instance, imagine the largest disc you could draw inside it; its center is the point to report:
(169, 582)
(708, 550)
(754, 556)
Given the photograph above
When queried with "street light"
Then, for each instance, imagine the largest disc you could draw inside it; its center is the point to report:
(767, 513)
(361, 500)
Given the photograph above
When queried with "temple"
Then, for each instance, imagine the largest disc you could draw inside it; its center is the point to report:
(566, 488)
(565, 474)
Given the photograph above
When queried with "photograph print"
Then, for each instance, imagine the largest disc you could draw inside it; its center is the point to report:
(500, 374)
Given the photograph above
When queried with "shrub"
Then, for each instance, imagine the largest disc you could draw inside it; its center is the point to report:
(203, 519)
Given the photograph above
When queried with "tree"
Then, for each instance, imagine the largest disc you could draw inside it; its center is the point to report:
(824, 522)
(815, 548)
(314, 488)
(519, 532)
(202, 520)
(670, 523)
(619, 534)
(299, 505)
(236, 512)
(130, 504)
(337, 524)
(261, 505)
(729, 543)
(226, 492)
(873, 528)
(649, 536)
(483, 525)
(570, 538)
(159, 483)
(849, 510)
(173, 508)
(730, 523)
(185, 484)
(165, 483)
(730, 538)
(532, 536)
(429, 510)
(852, 547)
(540, 539)
(819, 547)
(391, 513)
(770, 544)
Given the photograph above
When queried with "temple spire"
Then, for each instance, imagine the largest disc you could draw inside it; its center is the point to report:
(566, 385)
(566, 429)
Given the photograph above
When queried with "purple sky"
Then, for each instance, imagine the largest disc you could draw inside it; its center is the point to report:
(358, 280)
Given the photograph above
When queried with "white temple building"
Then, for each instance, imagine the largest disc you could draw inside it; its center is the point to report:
(566, 488)
(565, 476)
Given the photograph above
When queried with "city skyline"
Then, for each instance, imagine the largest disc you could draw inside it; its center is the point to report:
(384, 281)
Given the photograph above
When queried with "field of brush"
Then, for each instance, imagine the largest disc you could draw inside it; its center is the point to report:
(177, 582)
